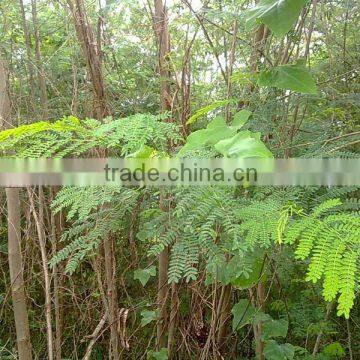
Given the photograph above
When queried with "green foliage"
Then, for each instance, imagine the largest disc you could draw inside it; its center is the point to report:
(162, 354)
(243, 314)
(216, 236)
(226, 140)
(259, 222)
(275, 351)
(278, 15)
(229, 271)
(205, 110)
(334, 351)
(274, 328)
(72, 137)
(215, 131)
(144, 275)
(243, 145)
(252, 275)
(210, 222)
(331, 241)
(96, 212)
(191, 228)
(241, 118)
(148, 316)
(289, 77)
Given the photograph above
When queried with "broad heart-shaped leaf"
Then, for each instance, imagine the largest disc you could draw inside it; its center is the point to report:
(289, 77)
(243, 314)
(218, 122)
(214, 132)
(144, 274)
(147, 316)
(241, 118)
(275, 351)
(162, 354)
(244, 144)
(278, 15)
(274, 328)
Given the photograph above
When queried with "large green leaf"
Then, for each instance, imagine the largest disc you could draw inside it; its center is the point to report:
(147, 316)
(275, 351)
(289, 77)
(243, 145)
(278, 15)
(243, 314)
(226, 140)
(144, 274)
(275, 328)
(241, 118)
(214, 132)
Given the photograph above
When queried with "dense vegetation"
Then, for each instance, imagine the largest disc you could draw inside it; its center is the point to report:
(208, 272)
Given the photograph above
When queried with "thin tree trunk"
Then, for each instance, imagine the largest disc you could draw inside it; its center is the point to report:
(351, 356)
(111, 295)
(311, 28)
(259, 40)
(14, 241)
(38, 218)
(30, 61)
(319, 336)
(5, 105)
(163, 43)
(91, 48)
(92, 56)
(56, 227)
(223, 315)
(173, 318)
(39, 65)
(162, 297)
(230, 69)
(16, 275)
(94, 336)
(184, 83)
(261, 302)
(208, 38)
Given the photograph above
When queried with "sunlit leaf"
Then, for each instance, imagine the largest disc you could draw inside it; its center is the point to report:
(215, 131)
(241, 118)
(243, 145)
(278, 15)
